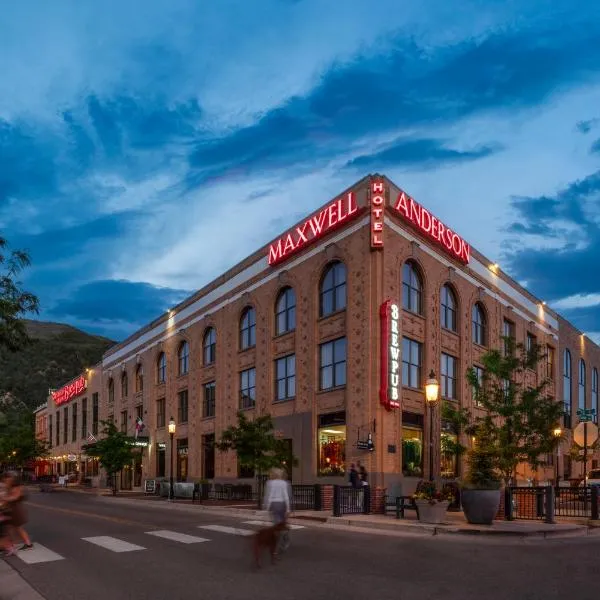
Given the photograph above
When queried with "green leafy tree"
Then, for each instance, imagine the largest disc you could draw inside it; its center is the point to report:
(15, 303)
(114, 451)
(519, 420)
(458, 419)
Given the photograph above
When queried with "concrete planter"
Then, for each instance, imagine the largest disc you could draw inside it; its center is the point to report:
(481, 506)
(431, 513)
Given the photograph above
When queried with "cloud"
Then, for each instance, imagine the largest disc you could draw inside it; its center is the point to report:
(577, 301)
(587, 125)
(595, 147)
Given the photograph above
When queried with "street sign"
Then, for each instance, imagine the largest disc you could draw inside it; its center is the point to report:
(585, 434)
(586, 414)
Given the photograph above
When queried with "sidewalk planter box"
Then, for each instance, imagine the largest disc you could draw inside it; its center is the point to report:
(481, 506)
(431, 513)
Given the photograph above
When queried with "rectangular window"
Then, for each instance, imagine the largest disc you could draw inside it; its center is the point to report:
(508, 333)
(66, 425)
(209, 400)
(412, 444)
(84, 414)
(248, 388)
(182, 406)
(448, 451)
(285, 377)
(208, 456)
(74, 424)
(50, 438)
(139, 412)
(332, 369)
(58, 428)
(331, 439)
(124, 421)
(550, 354)
(95, 413)
(449, 371)
(160, 413)
(479, 374)
(530, 344)
(412, 355)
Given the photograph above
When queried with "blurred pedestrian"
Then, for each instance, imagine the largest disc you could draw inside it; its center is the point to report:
(14, 497)
(277, 501)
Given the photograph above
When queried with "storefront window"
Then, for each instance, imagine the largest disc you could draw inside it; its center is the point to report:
(412, 444)
(448, 453)
(182, 460)
(331, 439)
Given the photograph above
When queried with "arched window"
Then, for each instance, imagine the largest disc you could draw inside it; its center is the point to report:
(248, 328)
(111, 391)
(285, 311)
(124, 385)
(479, 325)
(332, 295)
(412, 288)
(183, 358)
(595, 393)
(161, 368)
(567, 386)
(209, 346)
(139, 379)
(582, 383)
(448, 308)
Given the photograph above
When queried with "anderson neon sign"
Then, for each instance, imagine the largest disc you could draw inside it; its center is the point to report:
(433, 227)
(330, 218)
(65, 393)
(389, 391)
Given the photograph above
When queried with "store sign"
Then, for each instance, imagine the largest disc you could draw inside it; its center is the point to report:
(389, 391)
(69, 391)
(433, 227)
(141, 441)
(329, 219)
(377, 210)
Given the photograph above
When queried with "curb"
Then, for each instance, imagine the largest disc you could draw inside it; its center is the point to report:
(14, 587)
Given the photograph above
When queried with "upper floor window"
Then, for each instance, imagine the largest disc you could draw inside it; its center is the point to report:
(508, 334)
(209, 346)
(124, 385)
(248, 328)
(139, 379)
(111, 390)
(567, 386)
(479, 325)
(448, 308)
(550, 355)
(412, 361)
(333, 289)
(161, 368)
(595, 393)
(285, 377)
(412, 288)
(183, 358)
(449, 373)
(332, 364)
(285, 311)
(530, 345)
(248, 388)
(582, 383)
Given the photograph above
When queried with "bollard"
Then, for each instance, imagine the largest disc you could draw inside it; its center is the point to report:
(549, 498)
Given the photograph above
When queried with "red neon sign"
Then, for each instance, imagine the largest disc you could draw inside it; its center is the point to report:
(330, 218)
(389, 386)
(377, 210)
(433, 227)
(69, 391)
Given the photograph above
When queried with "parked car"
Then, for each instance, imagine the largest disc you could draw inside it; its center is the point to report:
(592, 480)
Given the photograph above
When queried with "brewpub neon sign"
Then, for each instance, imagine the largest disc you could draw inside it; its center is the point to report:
(389, 391)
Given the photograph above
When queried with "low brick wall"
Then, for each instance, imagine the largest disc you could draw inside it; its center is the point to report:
(378, 500)
(327, 497)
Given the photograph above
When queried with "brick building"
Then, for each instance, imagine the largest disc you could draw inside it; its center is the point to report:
(333, 329)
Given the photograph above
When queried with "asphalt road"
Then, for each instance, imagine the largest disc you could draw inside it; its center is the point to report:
(89, 548)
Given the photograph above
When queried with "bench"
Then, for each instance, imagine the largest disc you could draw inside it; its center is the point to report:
(399, 504)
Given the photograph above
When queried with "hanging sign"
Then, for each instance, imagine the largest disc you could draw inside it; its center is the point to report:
(389, 391)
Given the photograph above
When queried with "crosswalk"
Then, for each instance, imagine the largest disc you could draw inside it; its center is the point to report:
(41, 554)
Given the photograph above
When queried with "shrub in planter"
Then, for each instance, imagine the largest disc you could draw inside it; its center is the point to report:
(432, 503)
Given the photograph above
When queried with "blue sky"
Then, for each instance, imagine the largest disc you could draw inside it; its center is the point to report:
(137, 138)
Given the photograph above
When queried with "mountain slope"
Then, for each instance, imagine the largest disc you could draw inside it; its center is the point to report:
(57, 353)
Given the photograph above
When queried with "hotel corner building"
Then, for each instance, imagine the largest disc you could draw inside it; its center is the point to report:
(333, 329)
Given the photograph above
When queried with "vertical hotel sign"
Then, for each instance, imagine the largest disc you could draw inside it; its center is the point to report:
(377, 210)
(389, 391)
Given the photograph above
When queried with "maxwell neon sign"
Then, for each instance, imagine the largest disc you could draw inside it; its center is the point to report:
(65, 393)
(433, 227)
(330, 218)
(389, 390)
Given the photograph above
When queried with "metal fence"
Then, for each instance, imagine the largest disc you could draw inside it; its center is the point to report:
(351, 501)
(306, 497)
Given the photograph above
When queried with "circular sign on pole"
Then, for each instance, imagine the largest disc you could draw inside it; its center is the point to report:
(580, 434)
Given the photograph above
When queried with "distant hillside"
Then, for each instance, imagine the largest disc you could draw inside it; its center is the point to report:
(57, 353)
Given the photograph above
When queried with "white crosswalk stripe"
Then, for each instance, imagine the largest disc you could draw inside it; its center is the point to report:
(38, 554)
(113, 544)
(177, 537)
(231, 530)
(265, 523)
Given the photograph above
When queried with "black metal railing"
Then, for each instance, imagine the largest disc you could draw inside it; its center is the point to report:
(525, 503)
(306, 497)
(351, 501)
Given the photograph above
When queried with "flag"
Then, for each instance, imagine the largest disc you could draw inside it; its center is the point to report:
(90, 438)
(139, 426)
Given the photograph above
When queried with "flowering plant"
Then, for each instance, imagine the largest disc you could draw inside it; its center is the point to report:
(429, 491)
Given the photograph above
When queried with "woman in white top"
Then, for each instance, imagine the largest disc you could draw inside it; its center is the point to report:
(277, 497)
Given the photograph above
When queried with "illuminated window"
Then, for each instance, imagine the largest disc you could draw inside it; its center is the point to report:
(285, 377)
(124, 385)
(139, 379)
(582, 383)
(285, 311)
(412, 356)
(331, 440)
(448, 451)
(161, 371)
(448, 308)
(333, 289)
(248, 329)
(248, 388)
(448, 370)
(332, 367)
(183, 358)
(412, 288)
(567, 387)
(412, 444)
(209, 346)
(479, 326)
(111, 391)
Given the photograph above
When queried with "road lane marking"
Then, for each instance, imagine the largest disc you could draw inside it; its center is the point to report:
(113, 544)
(177, 537)
(269, 523)
(38, 554)
(231, 530)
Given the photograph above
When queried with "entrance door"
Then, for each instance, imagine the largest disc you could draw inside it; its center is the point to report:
(160, 462)
(137, 471)
(208, 456)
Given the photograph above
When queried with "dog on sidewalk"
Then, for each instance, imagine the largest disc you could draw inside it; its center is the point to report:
(267, 538)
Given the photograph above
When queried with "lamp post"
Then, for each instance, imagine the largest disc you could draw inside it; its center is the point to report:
(432, 391)
(557, 434)
(171, 433)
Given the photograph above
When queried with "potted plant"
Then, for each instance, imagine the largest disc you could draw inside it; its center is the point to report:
(432, 503)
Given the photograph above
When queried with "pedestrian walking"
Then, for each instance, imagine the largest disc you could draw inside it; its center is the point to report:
(362, 475)
(14, 497)
(277, 499)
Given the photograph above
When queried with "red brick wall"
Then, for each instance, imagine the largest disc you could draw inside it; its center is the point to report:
(327, 497)
(378, 500)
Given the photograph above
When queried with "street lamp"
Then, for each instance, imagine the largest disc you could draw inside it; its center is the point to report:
(432, 391)
(557, 434)
(171, 433)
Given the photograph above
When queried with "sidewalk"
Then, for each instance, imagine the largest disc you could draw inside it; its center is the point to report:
(13, 586)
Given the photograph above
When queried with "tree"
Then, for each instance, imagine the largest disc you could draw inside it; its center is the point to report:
(458, 419)
(519, 421)
(15, 303)
(114, 451)
(255, 444)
